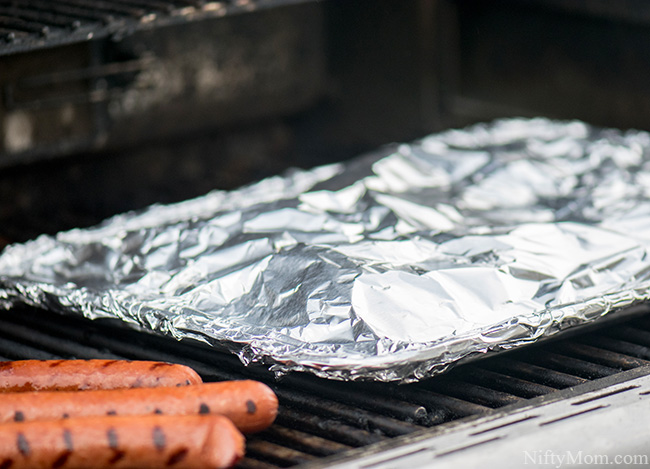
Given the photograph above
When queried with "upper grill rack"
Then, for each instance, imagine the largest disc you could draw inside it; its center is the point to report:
(34, 24)
(320, 418)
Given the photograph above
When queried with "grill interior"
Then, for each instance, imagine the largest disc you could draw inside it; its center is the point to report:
(320, 418)
(29, 24)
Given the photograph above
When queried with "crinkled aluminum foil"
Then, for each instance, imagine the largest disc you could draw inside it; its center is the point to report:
(389, 267)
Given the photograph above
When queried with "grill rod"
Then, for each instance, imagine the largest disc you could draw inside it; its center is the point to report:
(319, 418)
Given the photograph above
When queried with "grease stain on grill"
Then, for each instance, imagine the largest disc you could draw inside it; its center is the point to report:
(159, 439)
(23, 445)
(177, 457)
(19, 416)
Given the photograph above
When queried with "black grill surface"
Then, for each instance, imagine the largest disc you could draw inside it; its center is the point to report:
(320, 418)
(34, 24)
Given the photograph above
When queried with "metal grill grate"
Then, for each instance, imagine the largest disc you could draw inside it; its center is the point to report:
(34, 24)
(319, 418)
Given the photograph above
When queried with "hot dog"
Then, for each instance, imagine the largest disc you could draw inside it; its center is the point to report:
(252, 406)
(143, 442)
(69, 375)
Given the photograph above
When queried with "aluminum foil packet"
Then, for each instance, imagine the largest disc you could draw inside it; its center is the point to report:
(390, 267)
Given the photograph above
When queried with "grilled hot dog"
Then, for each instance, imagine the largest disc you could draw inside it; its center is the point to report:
(251, 405)
(69, 375)
(136, 442)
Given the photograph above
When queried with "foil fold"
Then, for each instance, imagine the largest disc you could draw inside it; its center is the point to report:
(391, 267)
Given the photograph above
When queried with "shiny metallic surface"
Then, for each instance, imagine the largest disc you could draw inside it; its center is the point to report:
(390, 267)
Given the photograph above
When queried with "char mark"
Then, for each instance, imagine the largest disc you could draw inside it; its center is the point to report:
(159, 439)
(113, 442)
(61, 460)
(158, 365)
(67, 439)
(177, 457)
(117, 456)
(23, 445)
(251, 408)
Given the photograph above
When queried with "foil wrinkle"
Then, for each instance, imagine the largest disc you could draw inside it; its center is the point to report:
(392, 267)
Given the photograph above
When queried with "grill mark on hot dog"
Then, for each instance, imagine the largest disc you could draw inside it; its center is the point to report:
(111, 435)
(31, 375)
(61, 460)
(230, 399)
(251, 408)
(113, 443)
(135, 441)
(19, 416)
(23, 445)
(69, 447)
(116, 456)
(204, 408)
(176, 457)
(67, 440)
(65, 416)
(159, 439)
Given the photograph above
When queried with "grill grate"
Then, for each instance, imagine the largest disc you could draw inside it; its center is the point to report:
(320, 418)
(34, 24)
